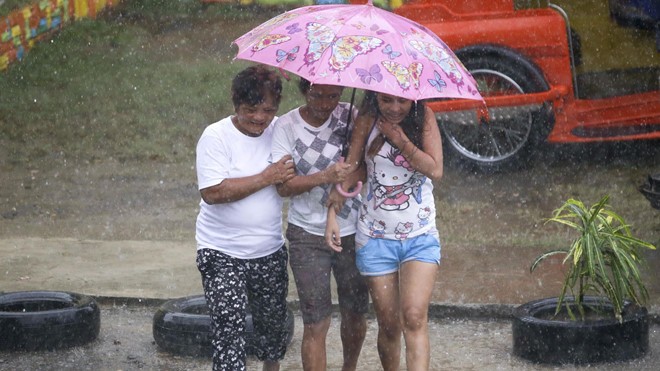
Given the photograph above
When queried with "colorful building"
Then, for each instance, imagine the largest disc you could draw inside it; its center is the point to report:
(22, 28)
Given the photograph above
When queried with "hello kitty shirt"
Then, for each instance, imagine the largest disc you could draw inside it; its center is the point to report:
(399, 201)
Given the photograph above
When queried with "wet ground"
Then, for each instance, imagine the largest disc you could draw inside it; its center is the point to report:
(126, 343)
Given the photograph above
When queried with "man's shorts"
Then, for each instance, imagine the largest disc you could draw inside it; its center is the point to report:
(312, 261)
(381, 256)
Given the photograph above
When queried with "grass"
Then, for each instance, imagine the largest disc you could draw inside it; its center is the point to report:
(600, 34)
(104, 89)
(96, 107)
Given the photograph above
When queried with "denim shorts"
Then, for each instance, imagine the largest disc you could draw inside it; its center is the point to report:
(380, 256)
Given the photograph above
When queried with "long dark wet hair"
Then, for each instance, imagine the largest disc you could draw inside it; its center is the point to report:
(412, 125)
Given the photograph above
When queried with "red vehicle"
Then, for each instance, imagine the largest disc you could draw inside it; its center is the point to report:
(524, 54)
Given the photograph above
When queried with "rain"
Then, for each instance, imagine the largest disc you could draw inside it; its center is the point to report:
(98, 193)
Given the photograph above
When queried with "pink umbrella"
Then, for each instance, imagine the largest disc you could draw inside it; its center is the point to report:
(359, 46)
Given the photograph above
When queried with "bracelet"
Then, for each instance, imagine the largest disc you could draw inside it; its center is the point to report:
(415, 149)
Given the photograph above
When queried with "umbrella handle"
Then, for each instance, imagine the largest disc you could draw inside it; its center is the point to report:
(356, 191)
(358, 188)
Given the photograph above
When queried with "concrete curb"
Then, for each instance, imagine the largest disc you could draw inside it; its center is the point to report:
(436, 311)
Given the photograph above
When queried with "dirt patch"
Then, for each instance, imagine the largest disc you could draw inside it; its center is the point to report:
(147, 200)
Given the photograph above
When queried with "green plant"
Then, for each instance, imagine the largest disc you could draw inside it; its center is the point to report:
(604, 258)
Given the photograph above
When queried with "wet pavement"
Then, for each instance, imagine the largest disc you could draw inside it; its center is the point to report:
(126, 343)
(469, 327)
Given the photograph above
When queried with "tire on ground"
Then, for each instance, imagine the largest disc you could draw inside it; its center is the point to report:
(183, 327)
(505, 142)
(47, 320)
(540, 338)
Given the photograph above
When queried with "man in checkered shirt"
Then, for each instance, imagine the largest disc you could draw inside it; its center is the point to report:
(313, 135)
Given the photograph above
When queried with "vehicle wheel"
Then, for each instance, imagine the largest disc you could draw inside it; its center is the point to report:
(47, 320)
(183, 327)
(507, 139)
(539, 338)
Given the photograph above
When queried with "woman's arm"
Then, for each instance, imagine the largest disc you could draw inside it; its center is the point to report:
(337, 200)
(303, 183)
(332, 236)
(363, 124)
(234, 189)
(428, 159)
(356, 149)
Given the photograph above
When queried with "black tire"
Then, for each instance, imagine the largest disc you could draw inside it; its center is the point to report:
(508, 139)
(183, 327)
(47, 320)
(651, 190)
(542, 340)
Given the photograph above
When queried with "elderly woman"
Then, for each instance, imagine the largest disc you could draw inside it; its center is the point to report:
(240, 247)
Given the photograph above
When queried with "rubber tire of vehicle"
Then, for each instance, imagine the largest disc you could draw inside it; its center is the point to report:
(183, 327)
(530, 79)
(47, 320)
(578, 342)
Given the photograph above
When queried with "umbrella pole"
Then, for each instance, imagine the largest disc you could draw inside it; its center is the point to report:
(344, 150)
(344, 153)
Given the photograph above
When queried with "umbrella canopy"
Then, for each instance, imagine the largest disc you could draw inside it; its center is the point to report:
(359, 46)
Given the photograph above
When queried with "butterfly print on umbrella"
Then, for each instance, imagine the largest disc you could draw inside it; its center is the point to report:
(343, 49)
(290, 55)
(405, 76)
(373, 74)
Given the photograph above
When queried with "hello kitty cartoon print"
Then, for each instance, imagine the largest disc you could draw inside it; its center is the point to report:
(399, 202)
(423, 216)
(377, 228)
(393, 189)
(402, 230)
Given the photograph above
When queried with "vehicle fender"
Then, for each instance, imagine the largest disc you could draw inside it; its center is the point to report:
(472, 52)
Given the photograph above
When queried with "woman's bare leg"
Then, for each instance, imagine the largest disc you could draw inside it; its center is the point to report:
(385, 295)
(416, 286)
(353, 331)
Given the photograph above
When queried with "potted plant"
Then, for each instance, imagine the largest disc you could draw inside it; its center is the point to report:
(599, 315)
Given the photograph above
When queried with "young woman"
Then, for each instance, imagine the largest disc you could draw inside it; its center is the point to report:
(312, 135)
(398, 247)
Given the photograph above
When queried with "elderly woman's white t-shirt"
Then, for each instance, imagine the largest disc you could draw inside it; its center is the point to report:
(248, 228)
